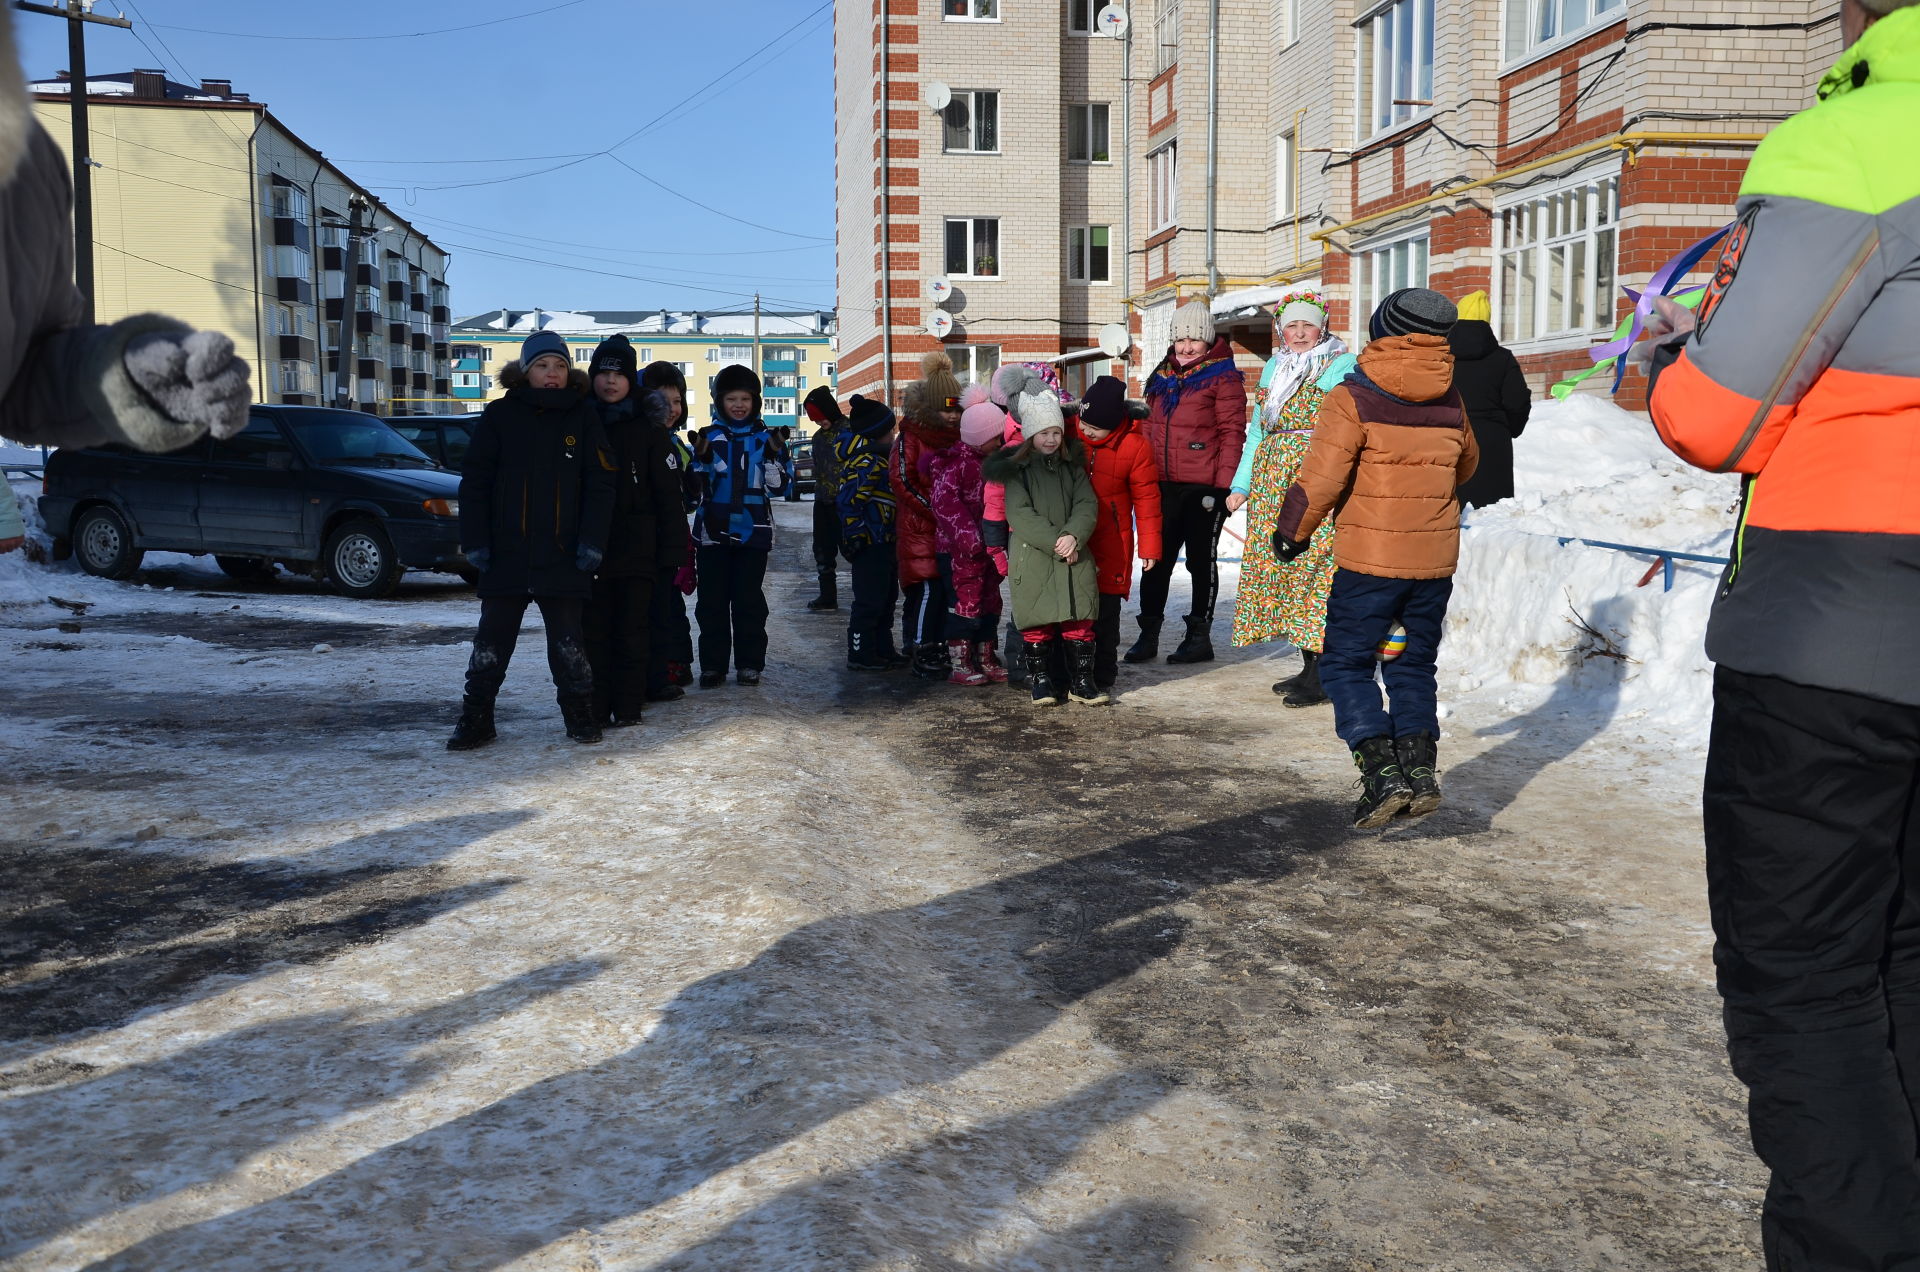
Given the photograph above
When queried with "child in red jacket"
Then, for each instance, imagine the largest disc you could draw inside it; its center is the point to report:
(1127, 483)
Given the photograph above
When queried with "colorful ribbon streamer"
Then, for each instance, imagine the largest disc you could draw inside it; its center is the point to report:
(1634, 325)
(1688, 296)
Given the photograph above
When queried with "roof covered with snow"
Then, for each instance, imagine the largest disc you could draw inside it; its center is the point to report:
(606, 322)
(121, 84)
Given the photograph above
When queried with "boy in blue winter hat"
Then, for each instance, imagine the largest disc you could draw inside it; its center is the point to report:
(737, 466)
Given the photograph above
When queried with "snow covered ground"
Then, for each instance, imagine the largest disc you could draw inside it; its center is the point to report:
(851, 973)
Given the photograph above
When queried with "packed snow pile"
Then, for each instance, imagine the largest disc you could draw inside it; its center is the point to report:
(1528, 611)
(21, 581)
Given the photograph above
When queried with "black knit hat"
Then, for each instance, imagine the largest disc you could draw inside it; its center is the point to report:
(1105, 405)
(1413, 311)
(616, 353)
(819, 405)
(664, 375)
(867, 417)
(735, 378)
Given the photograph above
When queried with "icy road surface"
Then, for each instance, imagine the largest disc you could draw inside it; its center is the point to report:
(840, 973)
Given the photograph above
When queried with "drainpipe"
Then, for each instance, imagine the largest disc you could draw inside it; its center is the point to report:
(1213, 146)
(1126, 175)
(886, 218)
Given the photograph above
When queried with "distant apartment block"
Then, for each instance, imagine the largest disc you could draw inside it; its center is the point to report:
(209, 208)
(795, 350)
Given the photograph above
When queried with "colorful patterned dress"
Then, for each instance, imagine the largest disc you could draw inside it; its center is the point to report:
(1283, 601)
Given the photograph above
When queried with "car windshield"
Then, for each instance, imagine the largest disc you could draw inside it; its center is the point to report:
(348, 437)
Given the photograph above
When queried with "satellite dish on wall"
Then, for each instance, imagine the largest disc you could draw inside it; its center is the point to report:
(1115, 340)
(939, 96)
(940, 323)
(1112, 21)
(939, 289)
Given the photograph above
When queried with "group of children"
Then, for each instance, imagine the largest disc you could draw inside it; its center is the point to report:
(577, 492)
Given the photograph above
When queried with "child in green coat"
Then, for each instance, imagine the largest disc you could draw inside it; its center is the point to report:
(1051, 513)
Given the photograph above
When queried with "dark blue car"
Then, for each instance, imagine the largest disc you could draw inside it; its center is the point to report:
(334, 493)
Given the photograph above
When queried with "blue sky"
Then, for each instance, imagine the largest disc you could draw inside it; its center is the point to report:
(567, 82)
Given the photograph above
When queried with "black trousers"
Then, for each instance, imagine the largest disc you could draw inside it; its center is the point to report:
(876, 587)
(1106, 641)
(619, 632)
(732, 608)
(671, 639)
(826, 541)
(923, 612)
(1813, 879)
(499, 632)
(1188, 524)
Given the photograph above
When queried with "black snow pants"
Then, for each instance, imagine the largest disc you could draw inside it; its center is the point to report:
(1813, 880)
(500, 631)
(1106, 641)
(826, 545)
(1186, 523)
(876, 588)
(619, 630)
(732, 608)
(671, 637)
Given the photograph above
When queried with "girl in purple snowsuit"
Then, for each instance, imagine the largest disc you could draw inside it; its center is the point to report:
(972, 578)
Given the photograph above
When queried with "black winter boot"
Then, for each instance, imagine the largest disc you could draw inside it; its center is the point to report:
(1307, 657)
(1418, 754)
(829, 598)
(1147, 648)
(475, 726)
(1307, 692)
(1384, 791)
(930, 661)
(581, 726)
(1081, 684)
(1197, 647)
(1040, 674)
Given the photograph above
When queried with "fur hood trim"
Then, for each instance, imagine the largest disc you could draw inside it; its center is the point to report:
(513, 375)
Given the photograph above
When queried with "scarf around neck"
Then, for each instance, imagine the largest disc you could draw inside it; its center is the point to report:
(1292, 370)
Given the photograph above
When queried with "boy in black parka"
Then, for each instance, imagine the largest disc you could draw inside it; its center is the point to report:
(670, 658)
(536, 499)
(648, 538)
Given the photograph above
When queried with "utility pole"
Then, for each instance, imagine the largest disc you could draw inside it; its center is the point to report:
(78, 13)
(758, 371)
(349, 289)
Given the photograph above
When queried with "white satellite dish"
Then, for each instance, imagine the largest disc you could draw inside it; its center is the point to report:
(1115, 340)
(940, 323)
(939, 290)
(939, 96)
(1112, 21)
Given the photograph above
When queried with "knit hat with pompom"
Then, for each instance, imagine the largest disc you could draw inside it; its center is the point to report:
(980, 419)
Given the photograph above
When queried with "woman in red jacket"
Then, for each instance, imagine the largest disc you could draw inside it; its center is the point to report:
(1127, 484)
(1196, 427)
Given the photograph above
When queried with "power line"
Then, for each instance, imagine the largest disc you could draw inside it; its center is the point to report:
(709, 208)
(638, 278)
(398, 35)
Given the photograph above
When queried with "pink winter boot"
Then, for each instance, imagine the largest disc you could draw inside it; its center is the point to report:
(965, 670)
(987, 660)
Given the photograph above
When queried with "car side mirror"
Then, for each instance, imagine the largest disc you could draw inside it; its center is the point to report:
(280, 461)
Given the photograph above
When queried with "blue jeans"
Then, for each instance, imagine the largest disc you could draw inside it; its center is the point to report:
(1361, 609)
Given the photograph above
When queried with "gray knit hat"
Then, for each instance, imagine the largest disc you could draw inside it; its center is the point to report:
(1193, 321)
(540, 344)
(1413, 311)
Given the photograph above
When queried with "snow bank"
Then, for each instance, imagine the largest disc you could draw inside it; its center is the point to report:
(1529, 612)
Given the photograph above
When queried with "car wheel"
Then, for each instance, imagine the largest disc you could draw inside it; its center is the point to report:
(250, 569)
(103, 541)
(360, 560)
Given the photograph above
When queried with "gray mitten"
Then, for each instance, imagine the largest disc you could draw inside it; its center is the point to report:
(194, 379)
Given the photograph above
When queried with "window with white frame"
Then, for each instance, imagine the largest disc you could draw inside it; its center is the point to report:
(1533, 24)
(974, 364)
(1284, 157)
(1289, 17)
(1087, 133)
(295, 377)
(827, 370)
(291, 262)
(742, 354)
(1080, 16)
(1090, 253)
(971, 123)
(973, 247)
(781, 353)
(1558, 251)
(1163, 188)
(777, 406)
(970, 10)
(782, 380)
(682, 367)
(466, 379)
(288, 201)
(1395, 63)
(1381, 269)
(1166, 35)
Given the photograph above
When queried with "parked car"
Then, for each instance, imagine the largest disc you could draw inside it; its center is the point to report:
(443, 438)
(335, 493)
(802, 448)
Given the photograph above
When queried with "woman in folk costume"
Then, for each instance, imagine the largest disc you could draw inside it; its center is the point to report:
(1287, 600)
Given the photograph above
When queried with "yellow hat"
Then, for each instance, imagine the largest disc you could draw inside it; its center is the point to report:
(1476, 307)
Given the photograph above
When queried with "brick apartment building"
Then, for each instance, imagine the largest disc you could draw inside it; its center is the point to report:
(1543, 150)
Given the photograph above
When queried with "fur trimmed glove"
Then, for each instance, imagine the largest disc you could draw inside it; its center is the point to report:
(194, 379)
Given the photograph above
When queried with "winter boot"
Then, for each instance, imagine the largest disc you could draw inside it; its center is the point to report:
(864, 654)
(475, 727)
(1417, 755)
(1307, 692)
(1147, 648)
(678, 673)
(1080, 681)
(1197, 647)
(1384, 790)
(966, 670)
(930, 661)
(1040, 674)
(666, 693)
(987, 659)
(829, 598)
(1307, 659)
(581, 726)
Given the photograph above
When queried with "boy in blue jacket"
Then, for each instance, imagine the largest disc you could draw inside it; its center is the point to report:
(865, 503)
(736, 467)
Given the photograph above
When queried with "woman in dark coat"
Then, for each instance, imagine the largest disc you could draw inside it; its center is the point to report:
(536, 498)
(1496, 396)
